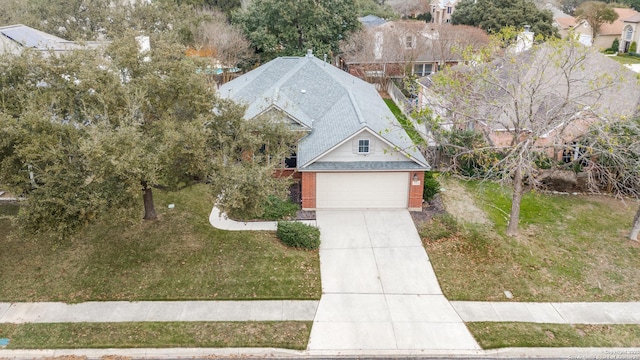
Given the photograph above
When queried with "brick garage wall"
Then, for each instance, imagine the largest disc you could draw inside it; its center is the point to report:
(415, 191)
(308, 191)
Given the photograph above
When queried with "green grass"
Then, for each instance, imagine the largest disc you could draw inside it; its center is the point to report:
(8, 209)
(178, 257)
(625, 59)
(290, 335)
(500, 335)
(570, 248)
(404, 122)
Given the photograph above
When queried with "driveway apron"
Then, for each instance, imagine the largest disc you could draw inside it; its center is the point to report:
(379, 291)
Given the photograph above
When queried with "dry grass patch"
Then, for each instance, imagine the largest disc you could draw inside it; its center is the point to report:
(290, 335)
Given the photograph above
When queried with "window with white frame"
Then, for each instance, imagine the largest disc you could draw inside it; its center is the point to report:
(422, 69)
(628, 33)
(363, 146)
(449, 9)
(409, 42)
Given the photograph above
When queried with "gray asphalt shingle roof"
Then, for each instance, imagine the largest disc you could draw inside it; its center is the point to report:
(32, 38)
(333, 103)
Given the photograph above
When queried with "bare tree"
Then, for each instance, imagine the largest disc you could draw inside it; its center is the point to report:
(224, 44)
(410, 7)
(392, 49)
(451, 43)
(531, 105)
(611, 159)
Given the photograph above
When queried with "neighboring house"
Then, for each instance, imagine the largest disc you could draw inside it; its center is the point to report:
(407, 47)
(370, 21)
(354, 154)
(621, 99)
(441, 11)
(15, 38)
(568, 25)
(630, 32)
(609, 32)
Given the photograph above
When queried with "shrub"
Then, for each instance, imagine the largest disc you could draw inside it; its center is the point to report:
(299, 235)
(632, 47)
(278, 209)
(431, 186)
(615, 45)
(543, 161)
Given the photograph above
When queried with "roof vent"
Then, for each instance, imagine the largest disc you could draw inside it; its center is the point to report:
(309, 53)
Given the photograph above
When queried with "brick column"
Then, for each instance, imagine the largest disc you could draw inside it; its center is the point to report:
(309, 191)
(415, 191)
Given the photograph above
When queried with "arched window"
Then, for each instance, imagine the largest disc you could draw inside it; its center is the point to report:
(628, 33)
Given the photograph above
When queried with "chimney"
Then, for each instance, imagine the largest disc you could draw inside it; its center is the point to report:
(309, 53)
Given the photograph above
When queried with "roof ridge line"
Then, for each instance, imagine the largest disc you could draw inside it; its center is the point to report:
(354, 103)
(289, 74)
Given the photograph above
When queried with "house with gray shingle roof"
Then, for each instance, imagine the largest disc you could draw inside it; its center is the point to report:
(15, 38)
(354, 153)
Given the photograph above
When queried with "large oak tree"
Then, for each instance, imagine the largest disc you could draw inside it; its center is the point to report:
(291, 27)
(90, 133)
(494, 15)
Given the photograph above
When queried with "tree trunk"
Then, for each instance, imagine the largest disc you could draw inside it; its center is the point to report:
(636, 227)
(149, 208)
(514, 216)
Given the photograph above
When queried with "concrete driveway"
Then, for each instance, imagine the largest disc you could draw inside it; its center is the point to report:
(379, 289)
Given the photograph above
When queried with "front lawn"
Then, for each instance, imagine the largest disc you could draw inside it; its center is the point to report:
(570, 248)
(500, 335)
(625, 59)
(178, 257)
(288, 335)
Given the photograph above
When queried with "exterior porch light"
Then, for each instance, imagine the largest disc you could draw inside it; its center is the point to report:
(415, 180)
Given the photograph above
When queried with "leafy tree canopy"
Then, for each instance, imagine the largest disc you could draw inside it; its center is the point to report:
(89, 133)
(493, 15)
(290, 27)
(99, 19)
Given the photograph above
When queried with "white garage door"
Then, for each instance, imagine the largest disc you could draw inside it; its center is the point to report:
(379, 190)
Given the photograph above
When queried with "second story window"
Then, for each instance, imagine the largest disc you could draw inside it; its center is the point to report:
(363, 146)
(409, 42)
(449, 10)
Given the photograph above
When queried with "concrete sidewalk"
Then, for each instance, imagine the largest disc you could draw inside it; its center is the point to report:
(550, 313)
(160, 311)
(219, 220)
(305, 310)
